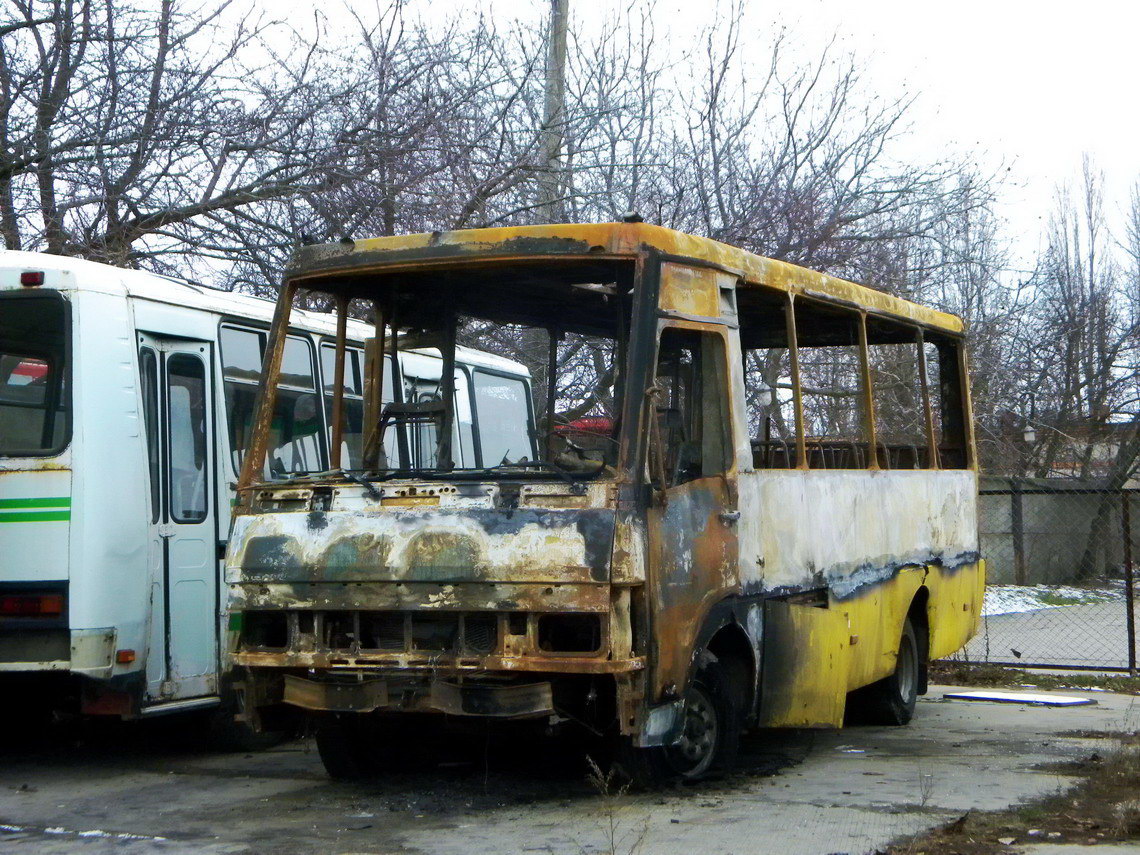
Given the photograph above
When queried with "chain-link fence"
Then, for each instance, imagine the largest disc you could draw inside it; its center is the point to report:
(1059, 575)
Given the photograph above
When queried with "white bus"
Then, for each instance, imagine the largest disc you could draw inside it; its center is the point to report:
(125, 406)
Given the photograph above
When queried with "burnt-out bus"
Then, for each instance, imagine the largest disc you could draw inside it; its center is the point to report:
(772, 522)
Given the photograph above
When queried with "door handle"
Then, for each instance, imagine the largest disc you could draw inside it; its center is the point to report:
(729, 516)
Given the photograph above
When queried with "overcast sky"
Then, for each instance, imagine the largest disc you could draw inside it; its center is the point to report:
(1028, 84)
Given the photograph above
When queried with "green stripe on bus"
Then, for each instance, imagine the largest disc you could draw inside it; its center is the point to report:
(58, 502)
(35, 516)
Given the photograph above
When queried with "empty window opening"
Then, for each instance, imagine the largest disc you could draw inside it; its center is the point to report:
(691, 425)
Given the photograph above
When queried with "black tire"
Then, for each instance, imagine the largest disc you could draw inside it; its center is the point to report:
(709, 742)
(356, 746)
(891, 701)
(346, 748)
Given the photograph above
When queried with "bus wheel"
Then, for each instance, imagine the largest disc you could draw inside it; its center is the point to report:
(711, 734)
(891, 701)
(345, 746)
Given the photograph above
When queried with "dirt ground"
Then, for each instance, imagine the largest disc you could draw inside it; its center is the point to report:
(149, 789)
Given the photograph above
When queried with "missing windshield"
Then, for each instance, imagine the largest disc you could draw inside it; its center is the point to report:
(507, 369)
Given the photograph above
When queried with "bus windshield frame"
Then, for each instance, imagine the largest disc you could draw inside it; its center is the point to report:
(551, 311)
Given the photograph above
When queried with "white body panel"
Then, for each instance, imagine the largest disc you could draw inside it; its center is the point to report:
(845, 529)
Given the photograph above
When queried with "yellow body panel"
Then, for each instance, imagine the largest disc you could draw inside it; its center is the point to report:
(806, 659)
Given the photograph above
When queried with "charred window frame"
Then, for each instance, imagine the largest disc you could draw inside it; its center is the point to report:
(900, 394)
(946, 373)
(835, 423)
(51, 344)
(690, 422)
(770, 369)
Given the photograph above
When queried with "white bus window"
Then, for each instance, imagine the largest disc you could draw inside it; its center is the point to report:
(503, 412)
(295, 443)
(241, 369)
(186, 391)
(352, 433)
(241, 351)
(352, 375)
(297, 365)
(33, 394)
(464, 451)
(148, 368)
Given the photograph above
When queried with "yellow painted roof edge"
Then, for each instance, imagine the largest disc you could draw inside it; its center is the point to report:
(629, 239)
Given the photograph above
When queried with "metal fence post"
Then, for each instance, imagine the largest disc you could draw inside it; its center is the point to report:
(1017, 513)
(1129, 593)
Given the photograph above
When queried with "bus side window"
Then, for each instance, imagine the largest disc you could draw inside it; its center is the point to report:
(769, 394)
(896, 385)
(352, 432)
(691, 408)
(835, 425)
(502, 408)
(947, 407)
(148, 369)
(241, 370)
(295, 441)
(186, 415)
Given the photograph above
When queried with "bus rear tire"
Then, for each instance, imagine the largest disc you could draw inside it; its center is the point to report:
(892, 700)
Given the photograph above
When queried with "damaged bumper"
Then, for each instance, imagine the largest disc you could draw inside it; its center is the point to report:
(467, 699)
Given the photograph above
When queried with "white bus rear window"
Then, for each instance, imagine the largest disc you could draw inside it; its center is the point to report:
(33, 399)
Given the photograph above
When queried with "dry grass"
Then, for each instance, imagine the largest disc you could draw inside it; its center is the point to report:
(960, 673)
(1102, 808)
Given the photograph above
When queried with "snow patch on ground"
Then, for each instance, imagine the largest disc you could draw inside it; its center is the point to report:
(1008, 599)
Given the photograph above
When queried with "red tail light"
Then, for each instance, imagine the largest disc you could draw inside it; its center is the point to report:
(32, 278)
(31, 605)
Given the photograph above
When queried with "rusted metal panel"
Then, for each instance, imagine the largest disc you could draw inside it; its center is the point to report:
(597, 240)
(436, 663)
(511, 701)
(845, 529)
(693, 555)
(406, 595)
(364, 696)
(691, 291)
(417, 544)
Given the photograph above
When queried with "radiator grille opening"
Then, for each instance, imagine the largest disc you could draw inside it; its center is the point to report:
(569, 633)
(480, 633)
(382, 631)
(435, 632)
(265, 629)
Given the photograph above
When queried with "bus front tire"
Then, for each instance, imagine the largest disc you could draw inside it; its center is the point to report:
(710, 738)
(345, 748)
(891, 701)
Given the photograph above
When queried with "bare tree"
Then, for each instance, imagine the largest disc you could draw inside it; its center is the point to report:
(132, 133)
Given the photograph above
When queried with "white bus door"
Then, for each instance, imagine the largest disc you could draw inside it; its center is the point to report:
(183, 654)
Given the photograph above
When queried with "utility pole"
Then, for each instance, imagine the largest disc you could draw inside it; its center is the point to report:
(551, 185)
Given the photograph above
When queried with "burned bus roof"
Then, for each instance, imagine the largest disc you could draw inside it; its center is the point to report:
(339, 267)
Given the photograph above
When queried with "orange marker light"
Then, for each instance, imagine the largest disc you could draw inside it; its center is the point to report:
(124, 657)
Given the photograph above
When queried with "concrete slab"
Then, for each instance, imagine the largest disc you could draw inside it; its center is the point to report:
(839, 791)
